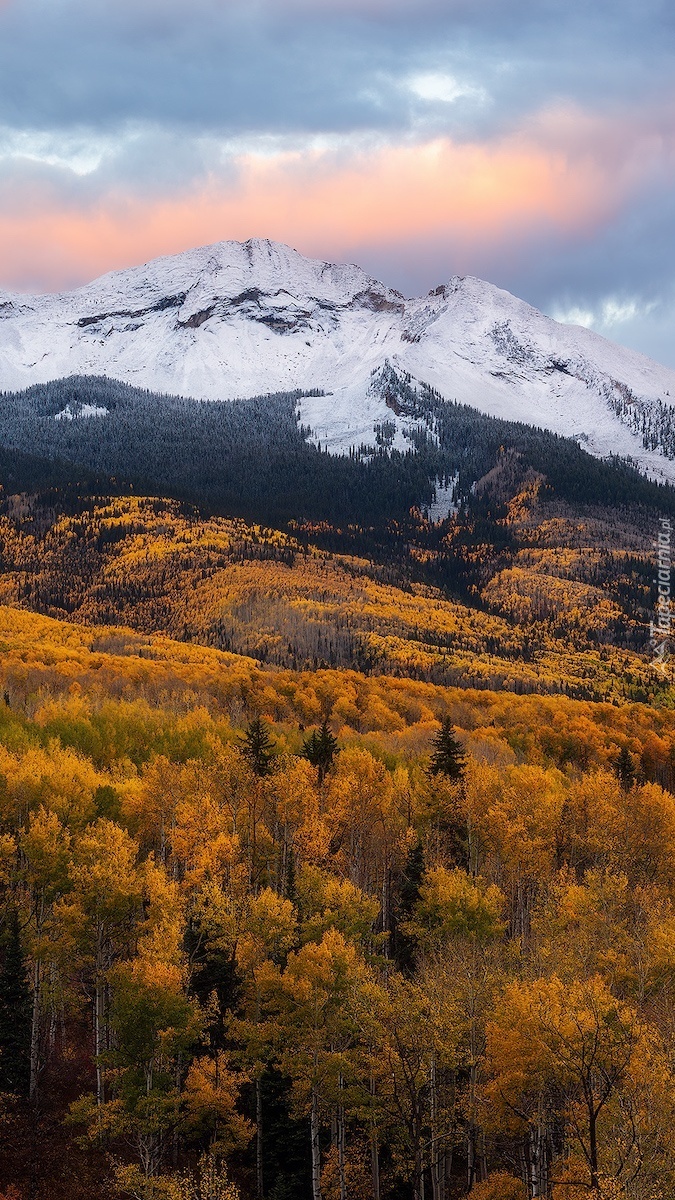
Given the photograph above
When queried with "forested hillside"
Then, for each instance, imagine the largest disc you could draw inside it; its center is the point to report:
(251, 458)
(530, 600)
(337, 835)
(320, 934)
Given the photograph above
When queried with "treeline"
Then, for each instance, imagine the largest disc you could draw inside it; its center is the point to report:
(469, 443)
(654, 423)
(246, 458)
(283, 962)
(251, 458)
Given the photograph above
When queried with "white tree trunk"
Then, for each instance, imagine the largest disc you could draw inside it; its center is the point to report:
(374, 1151)
(259, 1139)
(341, 1145)
(315, 1130)
(99, 1021)
(437, 1158)
(35, 1034)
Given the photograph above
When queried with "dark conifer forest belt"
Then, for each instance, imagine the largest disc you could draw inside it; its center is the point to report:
(251, 458)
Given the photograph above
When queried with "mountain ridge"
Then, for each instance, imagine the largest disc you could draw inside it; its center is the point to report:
(237, 319)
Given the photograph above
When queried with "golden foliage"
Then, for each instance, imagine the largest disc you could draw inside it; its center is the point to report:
(195, 926)
(158, 567)
(499, 1186)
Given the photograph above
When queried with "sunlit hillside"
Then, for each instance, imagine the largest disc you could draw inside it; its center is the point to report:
(552, 612)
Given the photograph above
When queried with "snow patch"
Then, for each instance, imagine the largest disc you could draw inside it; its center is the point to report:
(444, 503)
(78, 411)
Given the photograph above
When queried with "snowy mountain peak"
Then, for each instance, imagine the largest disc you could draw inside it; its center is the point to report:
(225, 270)
(246, 318)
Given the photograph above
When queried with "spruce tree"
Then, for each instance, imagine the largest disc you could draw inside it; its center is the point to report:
(15, 1012)
(409, 894)
(258, 747)
(625, 771)
(320, 748)
(448, 756)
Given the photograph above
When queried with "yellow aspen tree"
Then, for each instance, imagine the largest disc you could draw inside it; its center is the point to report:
(107, 887)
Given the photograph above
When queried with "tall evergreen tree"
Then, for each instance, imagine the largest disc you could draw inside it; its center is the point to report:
(258, 747)
(320, 748)
(15, 1012)
(409, 894)
(625, 771)
(448, 757)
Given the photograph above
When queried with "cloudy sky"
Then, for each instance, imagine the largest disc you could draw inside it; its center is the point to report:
(530, 142)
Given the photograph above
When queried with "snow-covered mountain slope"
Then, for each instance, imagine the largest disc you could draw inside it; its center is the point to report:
(239, 319)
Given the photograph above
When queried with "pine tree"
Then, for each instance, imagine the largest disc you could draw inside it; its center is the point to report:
(448, 757)
(258, 747)
(320, 748)
(625, 771)
(15, 1013)
(409, 894)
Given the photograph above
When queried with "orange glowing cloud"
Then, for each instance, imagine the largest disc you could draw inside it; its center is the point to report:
(325, 205)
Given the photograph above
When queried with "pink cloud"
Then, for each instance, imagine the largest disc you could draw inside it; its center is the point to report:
(566, 173)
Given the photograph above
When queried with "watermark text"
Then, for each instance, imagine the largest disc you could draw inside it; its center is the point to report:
(660, 626)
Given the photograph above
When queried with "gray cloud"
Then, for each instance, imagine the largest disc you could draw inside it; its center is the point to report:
(294, 66)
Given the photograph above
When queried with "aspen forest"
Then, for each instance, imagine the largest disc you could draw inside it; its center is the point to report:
(291, 934)
(337, 857)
